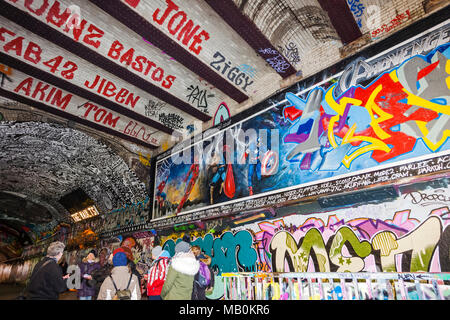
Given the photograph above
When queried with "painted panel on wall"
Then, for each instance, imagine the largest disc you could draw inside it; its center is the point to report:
(389, 108)
(410, 234)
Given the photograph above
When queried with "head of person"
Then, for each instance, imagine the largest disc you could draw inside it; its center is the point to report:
(182, 247)
(120, 259)
(103, 256)
(127, 252)
(55, 250)
(110, 259)
(156, 251)
(196, 250)
(91, 256)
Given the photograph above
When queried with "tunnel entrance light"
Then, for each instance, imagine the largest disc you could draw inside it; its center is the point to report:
(84, 214)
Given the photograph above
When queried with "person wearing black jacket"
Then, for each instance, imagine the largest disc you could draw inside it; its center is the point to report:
(47, 280)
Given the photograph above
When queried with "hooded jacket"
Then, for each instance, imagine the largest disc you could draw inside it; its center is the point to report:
(180, 277)
(156, 276)
(121, 276)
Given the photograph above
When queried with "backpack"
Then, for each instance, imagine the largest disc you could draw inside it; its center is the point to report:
(123, 294)
(204, 275)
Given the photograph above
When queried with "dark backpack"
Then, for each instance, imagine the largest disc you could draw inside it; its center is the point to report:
(123, 294)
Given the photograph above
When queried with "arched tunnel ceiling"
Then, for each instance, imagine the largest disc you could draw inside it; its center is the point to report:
(44, 161)
(13, 205)
(93, 86)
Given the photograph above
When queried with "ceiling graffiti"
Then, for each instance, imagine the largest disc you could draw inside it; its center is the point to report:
(49, 160)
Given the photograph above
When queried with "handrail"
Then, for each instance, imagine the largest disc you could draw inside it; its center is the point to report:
(345, 275)
(336, 286)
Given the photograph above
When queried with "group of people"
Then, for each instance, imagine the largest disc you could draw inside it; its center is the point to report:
(184, 276)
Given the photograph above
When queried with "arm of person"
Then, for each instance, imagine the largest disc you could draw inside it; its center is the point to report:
(168, 284)
(59, 282)
(206, 259)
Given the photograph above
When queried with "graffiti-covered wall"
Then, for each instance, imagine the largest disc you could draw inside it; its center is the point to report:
(378, 111)
(409, 234)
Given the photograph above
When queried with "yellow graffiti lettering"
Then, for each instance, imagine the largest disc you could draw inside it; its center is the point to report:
(372, 107)
(375, 144)
(422, 125)
(421, 102)
(377, 116)
(145, 161)
(340, 109)
(447, 69)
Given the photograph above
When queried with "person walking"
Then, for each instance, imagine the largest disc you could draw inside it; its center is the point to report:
(180, 276)
(87, 267)
(47, 280)
(121, 279)
(157, 273)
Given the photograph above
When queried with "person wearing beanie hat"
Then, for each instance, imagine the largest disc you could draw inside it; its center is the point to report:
(120, 259)
(120, 276)
(156, 251)
(87, 267)
(182, 246)
(180, 276)
(94, 253)
(157, 273)
(130, 258)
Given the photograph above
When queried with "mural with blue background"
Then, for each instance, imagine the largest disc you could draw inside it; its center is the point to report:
(376, 111)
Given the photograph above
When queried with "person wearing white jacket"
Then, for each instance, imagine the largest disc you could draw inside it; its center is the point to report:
(180, 277)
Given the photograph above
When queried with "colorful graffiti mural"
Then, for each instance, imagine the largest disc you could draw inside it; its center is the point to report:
(374, 113)
(396, 236)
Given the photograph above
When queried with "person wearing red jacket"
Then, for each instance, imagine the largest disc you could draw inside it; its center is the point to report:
(157, 273)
